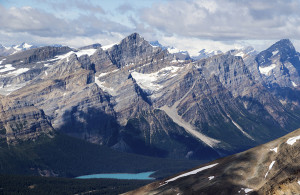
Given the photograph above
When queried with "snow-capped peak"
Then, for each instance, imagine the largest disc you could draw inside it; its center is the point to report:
(204, 53)
(26, 45)
(243, 52)
(155, 44)
(23, 46)
(173, 50)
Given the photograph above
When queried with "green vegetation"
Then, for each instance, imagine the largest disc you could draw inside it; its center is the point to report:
(70, 157)
(11, 184)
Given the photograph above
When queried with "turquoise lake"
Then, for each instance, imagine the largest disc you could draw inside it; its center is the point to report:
(139, 176)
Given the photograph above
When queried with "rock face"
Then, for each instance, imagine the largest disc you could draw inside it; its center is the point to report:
(280, 64)
(22, 122)
(272, 168)
(140, 98)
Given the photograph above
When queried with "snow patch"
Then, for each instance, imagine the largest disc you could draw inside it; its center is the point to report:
(246, 190)
(211, 177)
(241, 54)
(106, 73)
(275, 52)
(266, 70)
(147, 81)
(6, 90)
(27, 46)
(19, 71)
(8, 67)
(294, 84)
(2, 60)
(192, 172)
(292, 140)
(60, 57)
(176, 61)
(270, 167)
(274, 149)
(88, 52)
(150, 82)
(106, 47)
(78, 53)
(173, 50)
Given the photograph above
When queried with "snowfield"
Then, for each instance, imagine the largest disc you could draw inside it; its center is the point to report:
(292, 140)
(150, 82)
(266, 70)
(192, 172)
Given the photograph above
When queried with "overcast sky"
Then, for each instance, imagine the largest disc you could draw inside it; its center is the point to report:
(188, 25)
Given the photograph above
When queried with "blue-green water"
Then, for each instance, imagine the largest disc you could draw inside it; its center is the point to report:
(139, 176)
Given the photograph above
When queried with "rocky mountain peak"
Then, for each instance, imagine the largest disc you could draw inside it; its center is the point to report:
(284, 44)
(279, 64)
(284, 49)
(134, 38)
(133, 49)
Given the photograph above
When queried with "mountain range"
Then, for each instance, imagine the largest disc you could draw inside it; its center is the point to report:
(138, 98)
(5, 51)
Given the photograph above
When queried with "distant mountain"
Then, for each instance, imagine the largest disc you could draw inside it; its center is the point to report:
(244, 52)
(280, 65)
(206, 53)
(23, 46)
(5, 51)
(179, 54)
(157, 44)
(272, 168)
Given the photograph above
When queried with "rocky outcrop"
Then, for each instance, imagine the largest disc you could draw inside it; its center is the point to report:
(21, 122)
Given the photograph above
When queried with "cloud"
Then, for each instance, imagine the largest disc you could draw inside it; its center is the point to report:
(28, 22)
(74, 41)
(188, 25)
(226, 19)
(194, 45)
(124, 8)
(84, 5)
(27, 19)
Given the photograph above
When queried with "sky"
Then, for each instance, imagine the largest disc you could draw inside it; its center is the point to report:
(189, 25)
